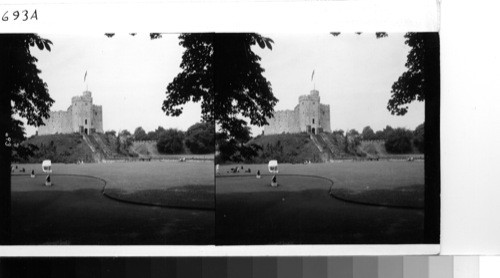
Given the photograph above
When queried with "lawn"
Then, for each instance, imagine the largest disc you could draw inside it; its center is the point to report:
(380, 203)
(177, 198)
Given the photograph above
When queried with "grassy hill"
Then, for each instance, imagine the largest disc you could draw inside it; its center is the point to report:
(293, 148)
(148, 149)
(300, 147)
(64, 148)
(73, 148)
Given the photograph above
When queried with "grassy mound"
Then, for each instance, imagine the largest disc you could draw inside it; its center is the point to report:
(291, 148)
(60, 148)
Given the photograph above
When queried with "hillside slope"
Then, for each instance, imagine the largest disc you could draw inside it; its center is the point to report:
(74, 148)
(293, 148)
(301, 147)
(63, 148)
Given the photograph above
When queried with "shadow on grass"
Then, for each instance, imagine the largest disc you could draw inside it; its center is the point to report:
(311, 217)
(84, 216)
(198, 197)
(410, 197)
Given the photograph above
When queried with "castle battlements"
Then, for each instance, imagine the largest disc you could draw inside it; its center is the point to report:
(309, 115)
(82, 116)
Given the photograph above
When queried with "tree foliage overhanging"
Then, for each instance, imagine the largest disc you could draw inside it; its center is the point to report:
(223, 72)
(22, 93)
(412, 84)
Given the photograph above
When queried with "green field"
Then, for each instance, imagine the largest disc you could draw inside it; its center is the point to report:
(366, 202)
(143, 203)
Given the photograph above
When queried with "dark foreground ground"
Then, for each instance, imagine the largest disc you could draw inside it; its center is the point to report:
(74, 211)
(302, 211)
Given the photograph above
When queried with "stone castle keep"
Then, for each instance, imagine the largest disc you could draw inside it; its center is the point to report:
(308, 116)
(81, 117)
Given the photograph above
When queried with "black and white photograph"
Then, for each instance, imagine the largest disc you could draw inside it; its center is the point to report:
(104, 142)
(327, 138)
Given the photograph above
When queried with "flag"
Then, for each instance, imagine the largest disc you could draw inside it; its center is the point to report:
(312, 76)
(85, 77)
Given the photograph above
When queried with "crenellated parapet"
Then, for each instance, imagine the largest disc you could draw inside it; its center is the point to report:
(308, 116)
(82, 116)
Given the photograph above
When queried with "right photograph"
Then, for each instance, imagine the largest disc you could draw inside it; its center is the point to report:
(327, 138)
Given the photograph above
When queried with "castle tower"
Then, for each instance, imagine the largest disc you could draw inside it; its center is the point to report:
(309, 113)
(81, 111)
(308, 116)
(81, 117)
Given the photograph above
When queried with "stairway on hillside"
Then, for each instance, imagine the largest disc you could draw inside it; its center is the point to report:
(322, 146)
(96, 154)
(328, 142)
(102, 146)
(315, 141)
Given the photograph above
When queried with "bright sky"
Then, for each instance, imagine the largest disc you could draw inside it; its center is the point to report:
(353, 73)
(127, 75)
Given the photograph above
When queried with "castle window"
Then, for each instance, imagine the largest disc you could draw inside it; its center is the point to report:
(313, 120)
(85, 121)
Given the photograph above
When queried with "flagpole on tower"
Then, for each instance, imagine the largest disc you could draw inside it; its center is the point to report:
(85, 80)
(314, 83)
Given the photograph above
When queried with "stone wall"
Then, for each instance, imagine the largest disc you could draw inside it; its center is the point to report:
(97, 118)
(308, 116)
(325, 117)
(81, 116)
(58, 122)
(283, 122)
(309, 112)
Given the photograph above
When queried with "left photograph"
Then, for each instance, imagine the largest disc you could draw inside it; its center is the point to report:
(105, 141)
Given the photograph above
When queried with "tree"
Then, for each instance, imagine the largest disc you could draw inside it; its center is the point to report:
(368, 133)
(418, 138)
(200, 138)
(422, 82)
(399, 141)
(123, 142)
(352, 141)
(125, 133)
(223, 72)
(22, 93)
(386, 132)
(151, 136)
(171, 141)
(110, 133)
(338, 132)
(352, 132)
(140, 134)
